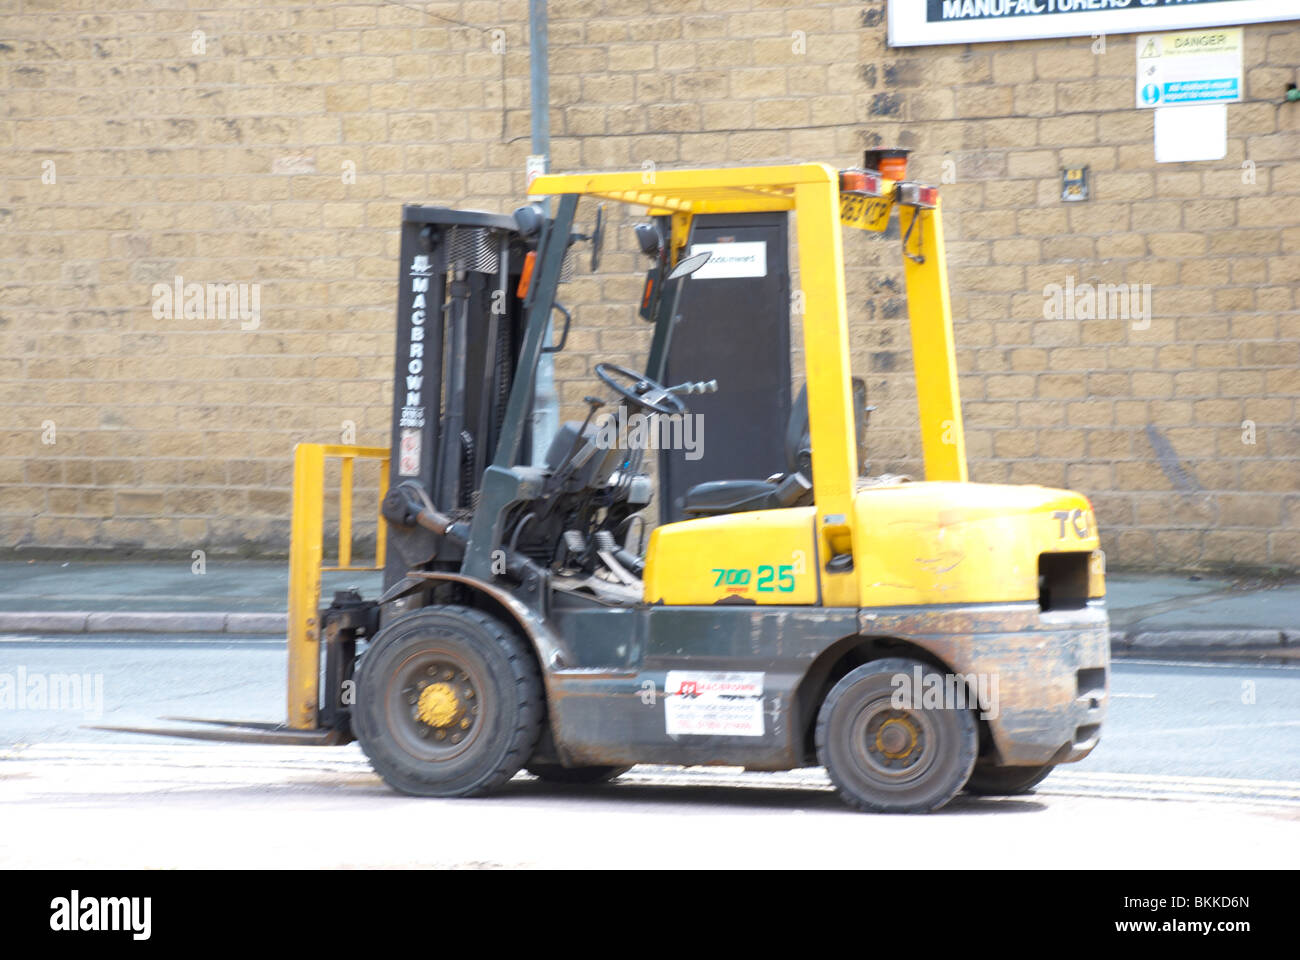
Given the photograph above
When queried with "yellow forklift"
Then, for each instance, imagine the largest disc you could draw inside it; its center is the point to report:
(913, 637)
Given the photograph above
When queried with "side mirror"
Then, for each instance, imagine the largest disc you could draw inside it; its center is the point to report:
(649, 239)
(597, 238)
(688, 266)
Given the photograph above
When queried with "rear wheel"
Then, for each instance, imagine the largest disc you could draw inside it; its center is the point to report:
(449, 703)
(889, 759)
(554, 773)
(991, 781)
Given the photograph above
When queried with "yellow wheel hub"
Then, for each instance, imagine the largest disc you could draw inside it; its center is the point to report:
(895, 738)
(438, 706)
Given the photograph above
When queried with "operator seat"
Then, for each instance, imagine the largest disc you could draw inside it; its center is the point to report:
(791, 489)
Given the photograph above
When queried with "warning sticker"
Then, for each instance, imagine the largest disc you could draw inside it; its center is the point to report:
(1200, 66)
(713, 704)
(408, 464)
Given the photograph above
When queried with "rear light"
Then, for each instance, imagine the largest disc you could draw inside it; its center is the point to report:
(526, 275)
(892, 164)
(1097, 574)
(918, 195)
(860, 181)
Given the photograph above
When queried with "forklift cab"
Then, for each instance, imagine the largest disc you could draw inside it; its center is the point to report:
(560, 521)
(791, 488)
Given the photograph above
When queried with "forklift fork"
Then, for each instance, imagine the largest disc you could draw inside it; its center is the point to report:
(312, 721)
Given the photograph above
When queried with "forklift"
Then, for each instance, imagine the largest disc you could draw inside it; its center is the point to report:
(814, 617)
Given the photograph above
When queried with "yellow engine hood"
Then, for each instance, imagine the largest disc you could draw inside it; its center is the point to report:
(921, 543)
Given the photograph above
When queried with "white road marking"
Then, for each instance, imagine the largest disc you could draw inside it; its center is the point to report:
(1235, 665)
(1111, 735)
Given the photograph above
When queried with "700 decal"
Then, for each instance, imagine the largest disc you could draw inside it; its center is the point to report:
(771, 579)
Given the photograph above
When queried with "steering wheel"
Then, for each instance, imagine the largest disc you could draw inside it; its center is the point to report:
(640, 391)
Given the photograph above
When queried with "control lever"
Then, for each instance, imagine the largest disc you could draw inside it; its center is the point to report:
(698, 386)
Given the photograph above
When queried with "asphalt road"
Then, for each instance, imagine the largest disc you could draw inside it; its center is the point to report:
(1199, 766)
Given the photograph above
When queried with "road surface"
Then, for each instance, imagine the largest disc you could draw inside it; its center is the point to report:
(1199, 767)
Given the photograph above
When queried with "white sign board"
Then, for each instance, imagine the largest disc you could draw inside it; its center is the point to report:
(707, 703)
(534, 167)
(1200, 66)
(1186, 134)
(929, 22)
(745, 259)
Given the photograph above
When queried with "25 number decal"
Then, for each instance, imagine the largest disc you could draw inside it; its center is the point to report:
(783, 574)
(739, 577)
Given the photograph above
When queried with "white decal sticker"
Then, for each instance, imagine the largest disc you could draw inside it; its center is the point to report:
(713, 704)
(746, 259)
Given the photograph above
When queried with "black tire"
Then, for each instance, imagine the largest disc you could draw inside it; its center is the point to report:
(933, 749)
(449, 703)
(554, 773)
(987, 780)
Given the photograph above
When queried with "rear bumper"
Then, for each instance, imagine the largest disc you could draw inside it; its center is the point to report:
(1050, 671)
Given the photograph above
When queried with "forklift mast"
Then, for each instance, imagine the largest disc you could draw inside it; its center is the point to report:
(459, 326)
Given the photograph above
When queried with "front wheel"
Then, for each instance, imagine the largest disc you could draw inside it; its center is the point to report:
(885, 753)
(449, 703)
(990, 781)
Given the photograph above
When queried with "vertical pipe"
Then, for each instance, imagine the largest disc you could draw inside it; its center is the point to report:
(539, 79)
(545, 402)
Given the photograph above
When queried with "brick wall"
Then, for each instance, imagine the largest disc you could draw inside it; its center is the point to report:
(273, 144)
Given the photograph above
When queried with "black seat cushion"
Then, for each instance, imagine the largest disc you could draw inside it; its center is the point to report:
(729, 496)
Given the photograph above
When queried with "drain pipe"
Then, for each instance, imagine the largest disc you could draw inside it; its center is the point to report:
(546, 413)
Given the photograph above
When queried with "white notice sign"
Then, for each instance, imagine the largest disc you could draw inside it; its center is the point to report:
(1192, 133)
(747, 259)
(708, 703)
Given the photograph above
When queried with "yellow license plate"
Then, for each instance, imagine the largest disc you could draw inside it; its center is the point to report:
(865, 213)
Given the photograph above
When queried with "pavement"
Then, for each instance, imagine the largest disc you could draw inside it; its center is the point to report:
(1150, 613)
(87, 806)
